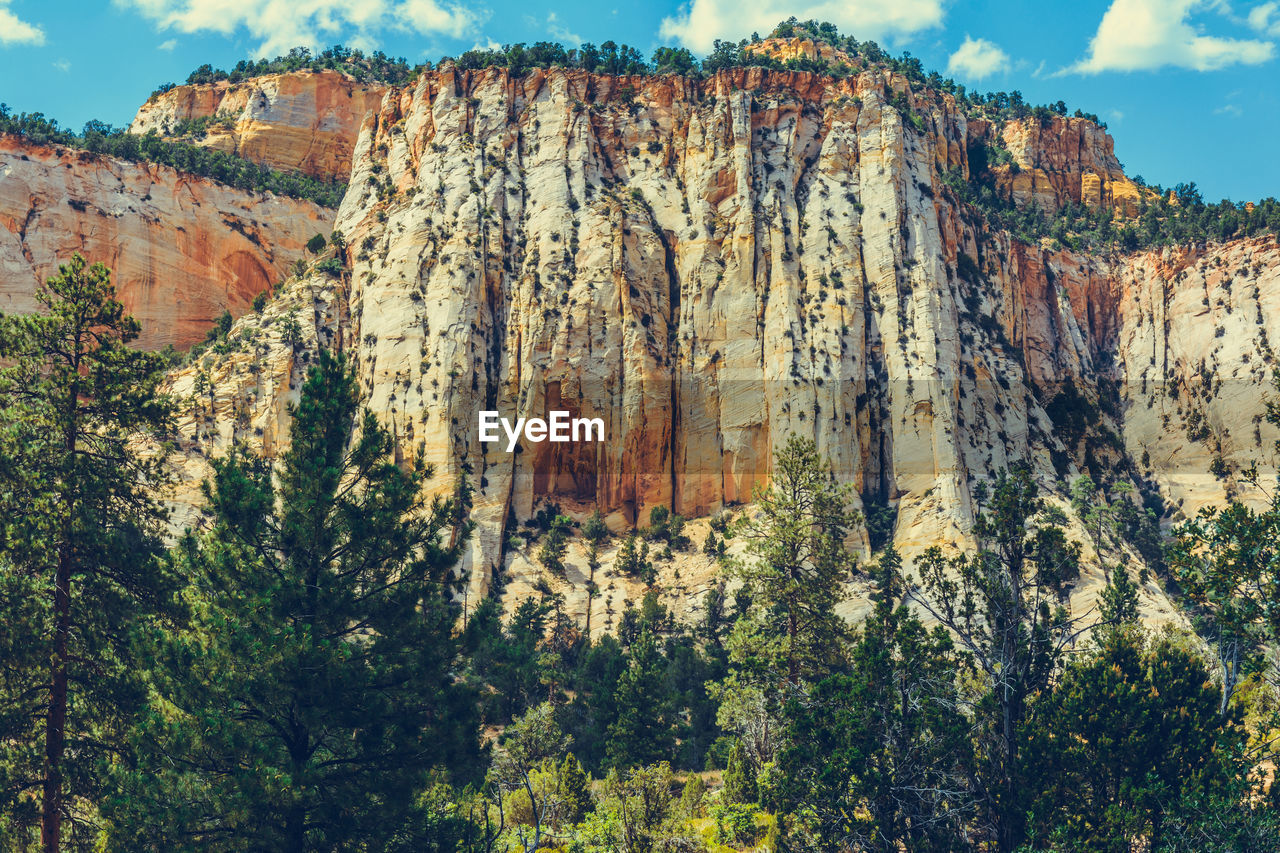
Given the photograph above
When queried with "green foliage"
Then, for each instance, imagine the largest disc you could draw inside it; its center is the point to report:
(735, 823)
(1122, 738)
(1165, 217)
(228, 169)
(316, 244)
(1227, 563)
(693, 796)
(531, 745)
(1002, 604)
(875, 758)
(573, 786)
(594, 529)
(799, 563)
(79, 536)
(637, 814)
(739, 777)
(666, 526)
(632, 558)
(307, 698)
(643, 732)
(376, 67)
(554, 544)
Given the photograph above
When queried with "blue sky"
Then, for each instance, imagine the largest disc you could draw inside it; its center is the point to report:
(1188, 87)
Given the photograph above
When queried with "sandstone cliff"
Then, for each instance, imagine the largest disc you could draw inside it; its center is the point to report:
(710, 266)
(1065, 160)
(302, 121)
(181, 249)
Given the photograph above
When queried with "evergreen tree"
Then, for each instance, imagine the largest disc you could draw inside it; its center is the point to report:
(692, 796)
(595, 532)
(1228, 562)
(1002, 605)
(593, 710)
(800, 563)
(877, 758)
(739, 784)
(529, 745)
(627, 560)
(554, 544)
(642, 732)
(1119, 741)
(575, 791)
(310, 695)
(79, 532)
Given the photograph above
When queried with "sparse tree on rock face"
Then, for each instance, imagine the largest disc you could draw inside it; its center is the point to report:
(79, 534)
(554, 545)
(1003, 606)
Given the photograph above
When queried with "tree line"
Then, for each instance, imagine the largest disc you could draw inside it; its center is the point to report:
(228, 169)
(295, 673)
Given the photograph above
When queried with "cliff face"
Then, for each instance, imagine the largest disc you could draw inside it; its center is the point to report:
(708, 267)
(181, 249)
(1065, 160)
(301, 121)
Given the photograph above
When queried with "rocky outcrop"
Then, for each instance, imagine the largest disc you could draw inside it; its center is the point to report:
(181, 249)
(301, 121)
(709, 266)
(1061, 160)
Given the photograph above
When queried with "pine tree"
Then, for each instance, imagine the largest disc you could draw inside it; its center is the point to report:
(79, 532)
(692, 796)
(800, 562)
(739, 785)
(1122, 738)
(627, 560)
(643, 732)
(1002, 606)
(1228, 562)
(876, 756)
(574, 790)
(595, 532)
(311, 693)
(554, 544)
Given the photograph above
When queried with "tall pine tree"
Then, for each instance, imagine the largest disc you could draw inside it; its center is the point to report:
(79, 530)
(311, 693)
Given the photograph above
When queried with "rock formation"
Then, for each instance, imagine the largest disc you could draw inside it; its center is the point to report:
(301, 121)
(181, 249)
(711, 265)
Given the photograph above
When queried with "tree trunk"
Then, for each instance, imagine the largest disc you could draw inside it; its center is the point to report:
(55, 732)
(56, 720)
(295, 829)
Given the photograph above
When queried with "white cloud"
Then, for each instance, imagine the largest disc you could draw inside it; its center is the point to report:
(700, 22)
(63, 65)
(977, 58)
(168, 44)
(1266, 18)
(560, 32)
(14, 30)
(1233, 110)
(282, 24)
(1142, 35)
